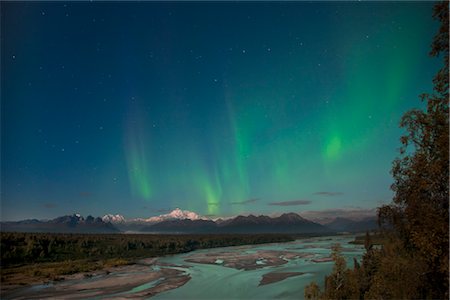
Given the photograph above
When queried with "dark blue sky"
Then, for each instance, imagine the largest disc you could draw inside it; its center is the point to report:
(219, 108)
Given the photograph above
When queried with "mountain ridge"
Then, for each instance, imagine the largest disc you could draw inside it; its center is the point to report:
(286, 223)
(64, 224)
(181, 221)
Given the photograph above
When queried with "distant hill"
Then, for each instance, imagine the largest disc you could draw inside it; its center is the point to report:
(347, 225)
(286, 223)
(65, 224)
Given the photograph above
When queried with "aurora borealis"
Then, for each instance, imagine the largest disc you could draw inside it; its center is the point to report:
(218, 108)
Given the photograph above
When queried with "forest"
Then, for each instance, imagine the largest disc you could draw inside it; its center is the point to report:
(413, 260)
(28, 248)
(37, 256)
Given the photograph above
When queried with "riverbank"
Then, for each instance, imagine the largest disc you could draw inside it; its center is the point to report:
(48, 272)
(45, 258)
(264, 271)
(121, 281)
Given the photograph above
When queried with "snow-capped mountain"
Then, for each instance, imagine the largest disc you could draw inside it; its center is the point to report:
(176, 214)
(113, 218)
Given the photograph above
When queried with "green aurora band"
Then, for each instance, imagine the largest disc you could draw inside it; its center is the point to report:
(263, 143)
(220, 108)
(138, 163)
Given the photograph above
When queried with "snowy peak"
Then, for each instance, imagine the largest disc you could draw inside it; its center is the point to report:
(182, 214)
(176, 214)
(113, 218)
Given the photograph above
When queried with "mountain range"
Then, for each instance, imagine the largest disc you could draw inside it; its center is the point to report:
(66, 224)
(180, 221)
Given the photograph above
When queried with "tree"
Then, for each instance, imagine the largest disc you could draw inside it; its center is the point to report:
(342, 282)
(419, 212)
(312, 291)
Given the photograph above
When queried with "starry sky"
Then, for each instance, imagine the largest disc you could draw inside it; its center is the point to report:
(219, 108)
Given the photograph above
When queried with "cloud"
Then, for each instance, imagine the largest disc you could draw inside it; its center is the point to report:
(329, 193)
(49, 205)
(245, 202)
(291, 203)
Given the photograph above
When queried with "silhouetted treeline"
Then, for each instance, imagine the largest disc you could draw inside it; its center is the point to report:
(25, 248)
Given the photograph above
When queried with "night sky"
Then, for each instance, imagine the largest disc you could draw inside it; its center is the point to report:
(217, 108)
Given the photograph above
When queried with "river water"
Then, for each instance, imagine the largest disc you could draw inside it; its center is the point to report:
(218, 273)
(219, 282)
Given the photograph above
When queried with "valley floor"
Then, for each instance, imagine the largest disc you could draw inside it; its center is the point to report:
(253, 271)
